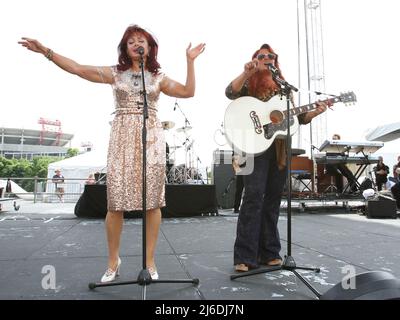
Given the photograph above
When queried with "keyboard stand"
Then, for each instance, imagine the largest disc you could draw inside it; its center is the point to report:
(331, 188)
(358, 173)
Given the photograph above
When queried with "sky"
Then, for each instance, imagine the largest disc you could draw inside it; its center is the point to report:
(360, 55)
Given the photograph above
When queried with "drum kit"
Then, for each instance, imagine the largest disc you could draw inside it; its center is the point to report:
(184, 173)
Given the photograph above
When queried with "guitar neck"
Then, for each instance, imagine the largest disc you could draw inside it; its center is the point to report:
(309, 107)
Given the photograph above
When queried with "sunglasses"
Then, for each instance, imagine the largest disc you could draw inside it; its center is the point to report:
(270, 56)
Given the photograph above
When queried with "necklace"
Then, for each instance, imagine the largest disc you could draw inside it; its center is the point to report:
(136, 78)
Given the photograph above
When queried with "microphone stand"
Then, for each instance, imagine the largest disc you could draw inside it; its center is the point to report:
(289, 262)
(144, 277)
(187, 123)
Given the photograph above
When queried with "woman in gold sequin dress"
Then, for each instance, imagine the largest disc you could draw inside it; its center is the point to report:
(124, 162)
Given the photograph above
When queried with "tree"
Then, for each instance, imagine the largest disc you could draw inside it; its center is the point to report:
(5, 167)
(72, 152)
(40, 165)
(22, 168)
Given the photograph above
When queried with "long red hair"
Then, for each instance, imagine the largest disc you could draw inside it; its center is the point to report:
(125, 61)
(260, 84)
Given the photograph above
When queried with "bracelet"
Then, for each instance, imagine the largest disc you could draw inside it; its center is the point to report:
(49, 54)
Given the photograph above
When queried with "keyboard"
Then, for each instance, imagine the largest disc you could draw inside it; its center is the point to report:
(339, 146)
(335, 159)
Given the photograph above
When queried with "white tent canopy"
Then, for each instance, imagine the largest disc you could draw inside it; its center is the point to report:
(385, 133)
(78, 167)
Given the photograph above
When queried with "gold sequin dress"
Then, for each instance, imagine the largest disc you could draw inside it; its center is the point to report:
(124, 161)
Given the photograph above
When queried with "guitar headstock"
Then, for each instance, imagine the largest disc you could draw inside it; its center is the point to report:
(348, 98)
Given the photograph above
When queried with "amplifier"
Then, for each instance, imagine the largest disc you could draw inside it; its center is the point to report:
(222, 157)
(225, 184)
(381, 208)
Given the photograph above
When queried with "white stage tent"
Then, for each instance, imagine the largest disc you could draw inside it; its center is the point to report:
(78, 167)
(390, 134)
(385, 133)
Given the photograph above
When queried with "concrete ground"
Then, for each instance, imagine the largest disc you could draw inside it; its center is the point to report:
(42, 240)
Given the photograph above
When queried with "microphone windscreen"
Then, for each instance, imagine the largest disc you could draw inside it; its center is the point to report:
(140, 50)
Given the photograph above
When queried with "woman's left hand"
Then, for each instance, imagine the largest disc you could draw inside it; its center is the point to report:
(193, 53)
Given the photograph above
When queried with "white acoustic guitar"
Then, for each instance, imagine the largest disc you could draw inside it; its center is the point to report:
(252, 125)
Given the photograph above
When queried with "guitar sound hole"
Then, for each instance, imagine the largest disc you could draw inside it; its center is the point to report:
(276, 117)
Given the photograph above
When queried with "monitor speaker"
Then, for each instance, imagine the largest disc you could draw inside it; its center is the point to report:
(373, 285)
(381, 208)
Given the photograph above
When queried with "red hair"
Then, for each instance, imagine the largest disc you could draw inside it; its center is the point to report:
(259, 83)
(125, 62)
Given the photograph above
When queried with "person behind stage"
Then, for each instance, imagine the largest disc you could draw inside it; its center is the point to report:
(257, 237)
(58, 180)
(124, 161)
(395, 189)
(381, 171)
(8, 186)
(396, 171)
(90, 179)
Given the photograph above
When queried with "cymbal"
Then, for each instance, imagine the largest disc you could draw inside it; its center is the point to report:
(167, 125)
(184, 129)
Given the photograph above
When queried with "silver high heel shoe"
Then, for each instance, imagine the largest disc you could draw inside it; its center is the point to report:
(153, 272)
(110, 274)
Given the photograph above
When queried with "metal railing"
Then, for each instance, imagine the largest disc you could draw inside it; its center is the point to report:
(44, 189)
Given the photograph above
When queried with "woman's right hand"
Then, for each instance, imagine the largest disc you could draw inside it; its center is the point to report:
(251, 67)
(33, 45)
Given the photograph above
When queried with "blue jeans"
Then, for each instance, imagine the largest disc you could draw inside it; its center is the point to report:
(257, 234)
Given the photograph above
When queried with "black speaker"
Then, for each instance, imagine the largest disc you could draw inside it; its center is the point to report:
(184, 200)
(181, 200)
(225, 185)
(381, 208)
(224, 178)
(93, 203)
(373, 285)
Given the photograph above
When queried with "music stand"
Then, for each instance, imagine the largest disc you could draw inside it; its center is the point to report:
(289, 262)
(144, 277)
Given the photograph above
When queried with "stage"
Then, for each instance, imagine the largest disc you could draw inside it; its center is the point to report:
(41, 235)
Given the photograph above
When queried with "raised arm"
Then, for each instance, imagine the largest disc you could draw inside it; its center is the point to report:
(91, 73)
(250, 68)
(175, 89)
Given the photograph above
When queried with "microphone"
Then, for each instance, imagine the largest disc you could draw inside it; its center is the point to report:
(272, 68)
(175, 105)
(140, 50)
